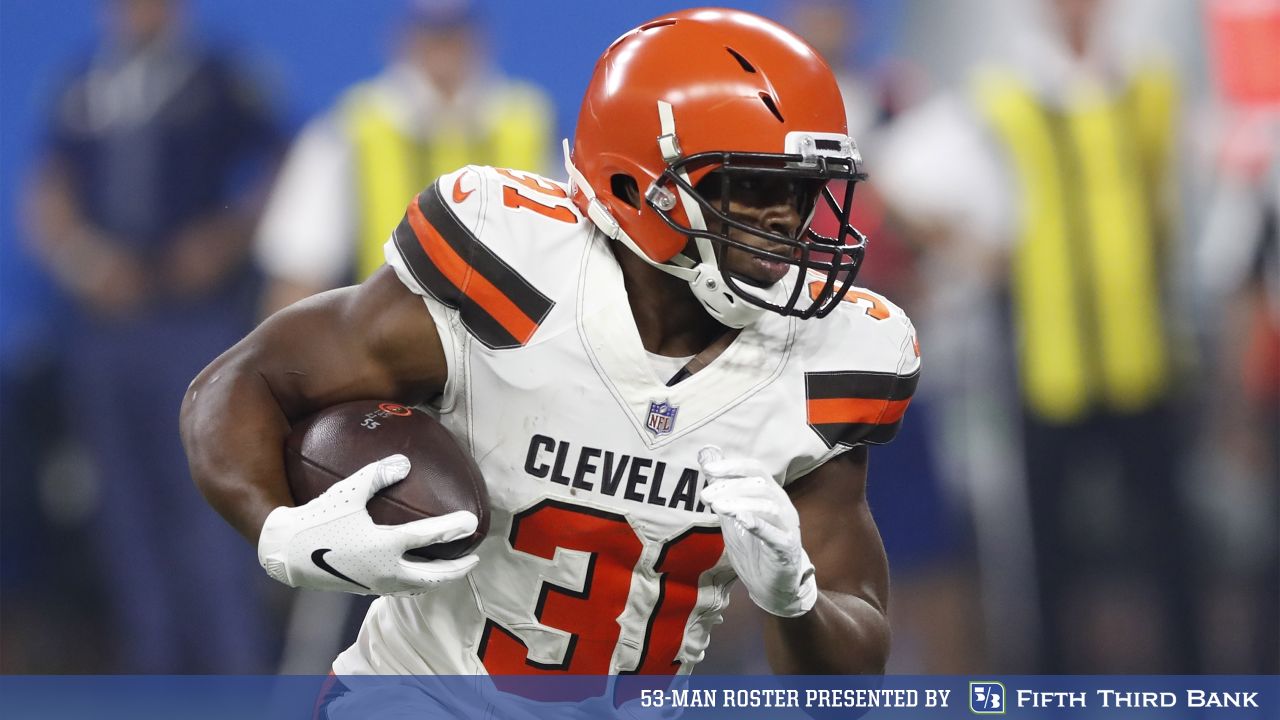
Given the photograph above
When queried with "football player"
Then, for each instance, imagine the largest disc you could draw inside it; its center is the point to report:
(665, 375)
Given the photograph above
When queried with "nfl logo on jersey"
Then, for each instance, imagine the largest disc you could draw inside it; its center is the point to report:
(662, 417)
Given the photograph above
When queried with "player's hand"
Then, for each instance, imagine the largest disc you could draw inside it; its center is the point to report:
(761, 531)
(331, 543)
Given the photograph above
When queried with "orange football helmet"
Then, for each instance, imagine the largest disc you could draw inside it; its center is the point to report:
(715, 90)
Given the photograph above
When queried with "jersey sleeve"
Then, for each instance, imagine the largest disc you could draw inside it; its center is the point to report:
(439, 251)
(864, 402)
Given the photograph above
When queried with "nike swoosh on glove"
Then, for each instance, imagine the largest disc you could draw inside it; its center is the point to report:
(331, 543)
(761, 530)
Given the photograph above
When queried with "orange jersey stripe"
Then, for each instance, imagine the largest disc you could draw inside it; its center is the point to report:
(472, 284)
(856, 410)
(895, 410)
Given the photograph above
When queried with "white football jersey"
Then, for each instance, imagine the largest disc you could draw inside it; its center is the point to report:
(600, 557)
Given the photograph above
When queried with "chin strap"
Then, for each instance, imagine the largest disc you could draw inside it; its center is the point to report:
(670, 147)
(709, 287)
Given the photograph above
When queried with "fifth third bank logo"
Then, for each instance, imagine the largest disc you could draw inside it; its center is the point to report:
(986, 698)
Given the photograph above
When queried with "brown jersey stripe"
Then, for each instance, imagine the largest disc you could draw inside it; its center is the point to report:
(479, 323)
(498, 306)
(847, 408)
(481, 304)
(882, 434)
(533, 304)
(850, 434)
(823, 385)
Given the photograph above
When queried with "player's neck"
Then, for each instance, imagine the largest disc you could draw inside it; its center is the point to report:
(670, 319)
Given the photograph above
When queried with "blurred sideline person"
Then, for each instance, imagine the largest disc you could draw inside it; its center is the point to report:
(139, 211)
(666, 323)
(438, 105)
(1052, 179)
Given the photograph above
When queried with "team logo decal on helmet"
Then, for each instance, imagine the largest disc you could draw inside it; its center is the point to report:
(719, 96)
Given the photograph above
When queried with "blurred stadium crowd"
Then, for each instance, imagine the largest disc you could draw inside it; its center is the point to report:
(1076, 201)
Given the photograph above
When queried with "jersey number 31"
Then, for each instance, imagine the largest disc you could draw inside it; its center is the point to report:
(590, 615)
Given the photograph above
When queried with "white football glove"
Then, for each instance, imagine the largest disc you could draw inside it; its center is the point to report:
(761, 530)
(331, 543)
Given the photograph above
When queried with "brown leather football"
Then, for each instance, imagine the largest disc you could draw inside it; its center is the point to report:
(336, 442)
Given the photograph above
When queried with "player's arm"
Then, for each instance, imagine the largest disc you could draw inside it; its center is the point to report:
(847, 631)
(371, 341)
(374, 340)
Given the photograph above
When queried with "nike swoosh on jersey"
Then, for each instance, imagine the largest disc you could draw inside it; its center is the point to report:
(458, 194)
(317, 557)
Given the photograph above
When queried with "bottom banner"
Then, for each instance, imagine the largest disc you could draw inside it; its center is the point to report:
(638, 697)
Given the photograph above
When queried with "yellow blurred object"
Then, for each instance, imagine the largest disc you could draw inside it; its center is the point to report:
(1086, 268)
(392, 165)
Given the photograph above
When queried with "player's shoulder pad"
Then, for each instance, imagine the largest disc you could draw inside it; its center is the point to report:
(492, 244)
(862, 364)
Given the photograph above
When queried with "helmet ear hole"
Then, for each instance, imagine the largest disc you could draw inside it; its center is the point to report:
(625, 188)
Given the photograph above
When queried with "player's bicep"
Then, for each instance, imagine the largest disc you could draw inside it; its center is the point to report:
(838, 530)
(375, 340)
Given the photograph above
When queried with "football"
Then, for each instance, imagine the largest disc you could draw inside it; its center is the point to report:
(336, 442)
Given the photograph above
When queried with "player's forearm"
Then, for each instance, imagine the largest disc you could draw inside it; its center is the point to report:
(842, 635)
(233, 431)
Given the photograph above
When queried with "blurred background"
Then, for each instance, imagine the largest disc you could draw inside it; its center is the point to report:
(1075, 200)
